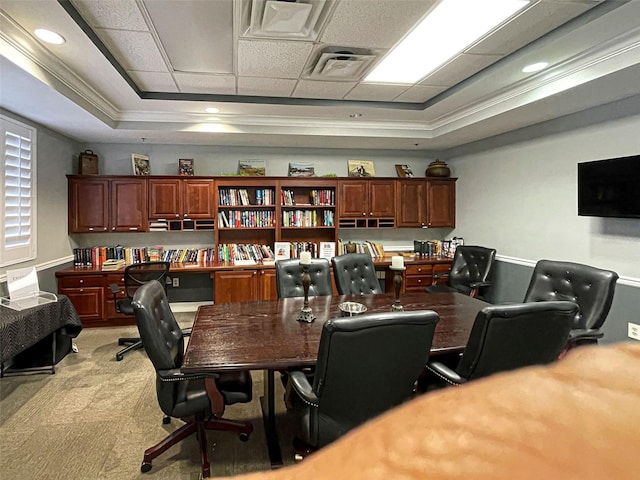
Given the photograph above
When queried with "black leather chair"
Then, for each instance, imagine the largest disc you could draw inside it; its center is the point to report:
(197, 399)
(470, 271)
(590, 287)
(289, 278)
(135, 275)
(366, 365)
(507, 337)
(355, 274)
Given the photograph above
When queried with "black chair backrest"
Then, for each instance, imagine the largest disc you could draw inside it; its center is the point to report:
(355, 274)
(289, 278)
(506, 337)
(366, 365)
(161, 337)
(590, 287)
(138, 273)
(470, 264)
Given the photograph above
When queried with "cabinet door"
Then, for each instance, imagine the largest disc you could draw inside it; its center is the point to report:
(441, 203)
(128, 205)
(88, 301)
(236, 286)
(165, 199)
(198, 198)
(268, 290)
(88, 205)
(353, 198)
(411, 202)
(382, 199)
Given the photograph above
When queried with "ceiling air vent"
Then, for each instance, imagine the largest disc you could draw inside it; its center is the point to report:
(341, 65)
(292, 20)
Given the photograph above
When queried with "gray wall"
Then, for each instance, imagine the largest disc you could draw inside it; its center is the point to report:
(522, 200)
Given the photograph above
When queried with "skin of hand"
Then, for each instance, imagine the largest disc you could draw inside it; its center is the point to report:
(578, 418)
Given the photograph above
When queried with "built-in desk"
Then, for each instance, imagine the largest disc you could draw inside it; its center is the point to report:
(90, 292)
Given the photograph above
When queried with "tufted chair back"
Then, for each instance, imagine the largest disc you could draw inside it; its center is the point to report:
(470, 264)
(591, 288)
(355, 274)
(366, 365)
(289, 278)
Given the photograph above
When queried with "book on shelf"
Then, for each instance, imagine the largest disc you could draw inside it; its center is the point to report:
(113, 264)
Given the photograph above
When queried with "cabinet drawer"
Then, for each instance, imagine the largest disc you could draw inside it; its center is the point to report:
(75, 281)
(418, 281)
(419, 270)
(88, 302)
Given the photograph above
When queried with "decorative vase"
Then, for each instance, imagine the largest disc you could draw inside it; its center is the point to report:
(438, 168)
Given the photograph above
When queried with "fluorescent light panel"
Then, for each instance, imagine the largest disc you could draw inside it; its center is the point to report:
(450, 28)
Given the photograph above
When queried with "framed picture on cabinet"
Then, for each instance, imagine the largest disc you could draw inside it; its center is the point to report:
(302, 169)
(404, 171)
(185, 166)
(361, 168)
(252, 168)
(141, 164)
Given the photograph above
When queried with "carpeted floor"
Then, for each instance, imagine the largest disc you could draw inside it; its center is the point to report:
(95, 417)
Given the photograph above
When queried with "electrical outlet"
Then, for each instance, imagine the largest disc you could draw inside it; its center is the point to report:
(634, 331)
(176, 282)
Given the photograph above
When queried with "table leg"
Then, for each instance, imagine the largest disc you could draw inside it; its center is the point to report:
(267, 402)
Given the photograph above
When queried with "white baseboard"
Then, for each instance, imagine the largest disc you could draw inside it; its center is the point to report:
(179, 307)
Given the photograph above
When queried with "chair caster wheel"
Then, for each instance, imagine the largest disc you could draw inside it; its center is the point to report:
(244, 437)
(119, 358)
(146, 466)
(166, 420)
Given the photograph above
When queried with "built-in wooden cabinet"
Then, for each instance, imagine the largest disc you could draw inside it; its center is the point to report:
(417, 277)
(106, 204)
(178, 198)
(366, 203)
(244, 285)
(86, 293)
(426, 203)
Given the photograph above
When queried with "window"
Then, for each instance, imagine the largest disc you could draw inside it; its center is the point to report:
(18, 189)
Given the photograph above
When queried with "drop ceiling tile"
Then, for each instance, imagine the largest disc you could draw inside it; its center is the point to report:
(313, 89)
(267, 58)
(419, 93)
(198, 83)
(269, 87)
(153, 81)
(375, 92)
(539, 19)
(458, 69)
(134, 50)
(381, 24)
(118, 14)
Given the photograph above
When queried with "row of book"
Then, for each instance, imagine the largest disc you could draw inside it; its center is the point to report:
(308, 218)
(239, 252)
(375, 249)
(97, 256)
(246, 218)
(240, 196)
(316, 197)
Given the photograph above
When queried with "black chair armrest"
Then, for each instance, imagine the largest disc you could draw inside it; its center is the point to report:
(115, 288)
(301, 385)
(443, 372)
(585, 334)
(437, 276)
(176, 375)
(479, 284)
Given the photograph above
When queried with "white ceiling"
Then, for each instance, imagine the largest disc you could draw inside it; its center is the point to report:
(148, 68)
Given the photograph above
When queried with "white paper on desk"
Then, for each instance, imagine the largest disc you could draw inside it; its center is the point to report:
(22, 282)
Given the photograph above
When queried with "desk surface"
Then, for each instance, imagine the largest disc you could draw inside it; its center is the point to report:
(266, 335)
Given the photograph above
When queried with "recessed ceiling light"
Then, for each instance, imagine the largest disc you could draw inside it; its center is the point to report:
(212, 110)
(450, 28)
(535, 67)
(49, 36)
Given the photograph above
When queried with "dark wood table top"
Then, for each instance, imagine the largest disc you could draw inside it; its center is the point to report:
(266, 335)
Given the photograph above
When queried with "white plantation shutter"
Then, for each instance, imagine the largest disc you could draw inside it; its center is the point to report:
(17, 234)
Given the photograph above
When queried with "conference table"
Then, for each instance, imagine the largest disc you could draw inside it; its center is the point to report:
(265, 335)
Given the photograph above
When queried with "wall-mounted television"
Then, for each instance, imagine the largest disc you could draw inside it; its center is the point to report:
(609, 188)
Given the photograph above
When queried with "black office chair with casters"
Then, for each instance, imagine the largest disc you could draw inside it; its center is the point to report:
(507, 337)
(197, 399)
(355, 274)
(289, 278)
(135, 275)
(366, 365)
(590, 287)
(470, 271)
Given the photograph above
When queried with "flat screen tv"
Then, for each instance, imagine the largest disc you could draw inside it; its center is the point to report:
(609, 188)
